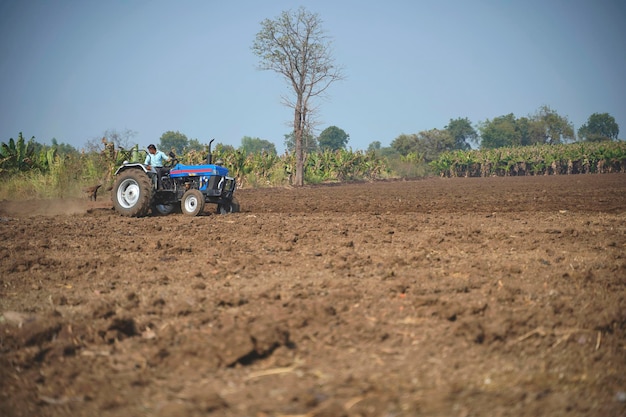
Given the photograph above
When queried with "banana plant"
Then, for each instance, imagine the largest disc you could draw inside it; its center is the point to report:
(17, 155)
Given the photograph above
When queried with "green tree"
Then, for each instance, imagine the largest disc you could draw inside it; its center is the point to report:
(333, 138)
(194, 145)
(173, 141)
(63, 148)
(221, 148)
(500, 132)
(428, 144)
(599, 127)
(374, 146)
(530, 132)
(382, 151)
(550, 127)
(405, 144)
(387, 152)
(462, 132)
(295, 46)
(309, 143)
(255, 145)
(431, 143)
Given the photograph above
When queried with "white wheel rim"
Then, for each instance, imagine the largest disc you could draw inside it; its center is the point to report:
(190, 204)
(128, 193)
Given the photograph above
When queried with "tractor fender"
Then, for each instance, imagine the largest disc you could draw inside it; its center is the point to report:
(134, 165)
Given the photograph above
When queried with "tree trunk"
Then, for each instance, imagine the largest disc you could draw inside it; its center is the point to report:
(298, 127)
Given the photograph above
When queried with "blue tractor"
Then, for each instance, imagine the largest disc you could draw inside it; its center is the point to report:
(137, 191)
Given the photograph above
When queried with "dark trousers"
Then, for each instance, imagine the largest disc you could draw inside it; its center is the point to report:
(161, 171)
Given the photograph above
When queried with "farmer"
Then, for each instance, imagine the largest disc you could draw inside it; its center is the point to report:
(156, 159)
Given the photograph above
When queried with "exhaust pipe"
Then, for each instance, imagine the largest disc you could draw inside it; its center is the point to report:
(209, 157)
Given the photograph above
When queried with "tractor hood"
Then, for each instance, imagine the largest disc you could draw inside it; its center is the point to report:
(180, 170)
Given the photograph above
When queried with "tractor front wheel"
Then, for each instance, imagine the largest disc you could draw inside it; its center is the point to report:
(192, 202)
(132, 193)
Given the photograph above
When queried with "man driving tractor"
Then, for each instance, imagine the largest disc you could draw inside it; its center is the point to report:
(156, 159)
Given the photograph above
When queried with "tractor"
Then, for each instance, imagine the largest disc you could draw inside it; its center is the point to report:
(138, 190)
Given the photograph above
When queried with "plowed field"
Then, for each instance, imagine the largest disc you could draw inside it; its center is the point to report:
(438, 297)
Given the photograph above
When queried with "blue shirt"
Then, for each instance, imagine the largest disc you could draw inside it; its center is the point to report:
(156, 160)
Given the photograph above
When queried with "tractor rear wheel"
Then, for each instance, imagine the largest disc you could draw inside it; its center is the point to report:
(132, 193)
(192, 202)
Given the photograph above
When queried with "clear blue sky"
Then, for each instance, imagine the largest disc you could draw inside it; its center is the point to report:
(72, 69)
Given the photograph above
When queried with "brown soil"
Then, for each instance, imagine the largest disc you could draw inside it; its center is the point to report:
(439, 297)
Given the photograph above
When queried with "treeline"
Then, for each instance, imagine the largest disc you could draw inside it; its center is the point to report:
(544, 127)
(264, 169)
(573, 158)
(32, 170)
(29, 169)
(540, 144)
(544, 143)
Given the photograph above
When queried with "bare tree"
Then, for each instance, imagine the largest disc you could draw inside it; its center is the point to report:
(295, 46)
(121, 140)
